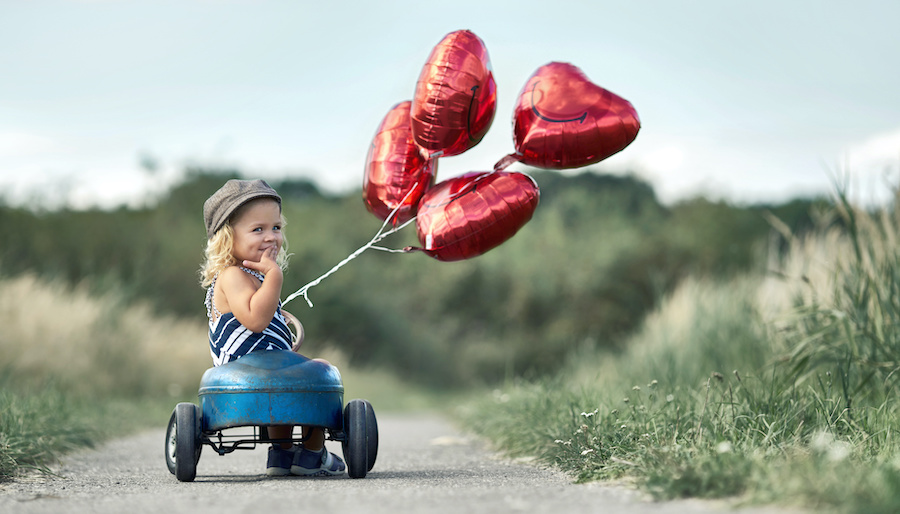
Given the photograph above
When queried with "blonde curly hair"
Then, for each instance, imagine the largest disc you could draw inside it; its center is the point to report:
(219, 253)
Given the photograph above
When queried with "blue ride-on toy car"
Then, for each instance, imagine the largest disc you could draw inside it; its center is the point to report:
(263, 389)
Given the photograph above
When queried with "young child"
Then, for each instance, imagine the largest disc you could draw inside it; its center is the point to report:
(243, 273)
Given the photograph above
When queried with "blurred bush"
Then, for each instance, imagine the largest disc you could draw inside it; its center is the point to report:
(598, 255)
(92, 345)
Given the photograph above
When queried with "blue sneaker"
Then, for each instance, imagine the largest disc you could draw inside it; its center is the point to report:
(323, 462)
(280, 460)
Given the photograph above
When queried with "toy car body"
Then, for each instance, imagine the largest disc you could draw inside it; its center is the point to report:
(263, 389)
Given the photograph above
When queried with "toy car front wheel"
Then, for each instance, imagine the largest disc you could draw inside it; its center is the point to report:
(371, 436)
(361, 443)
(183, 443)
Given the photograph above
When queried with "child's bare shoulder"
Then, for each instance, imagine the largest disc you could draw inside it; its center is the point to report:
(232, 275)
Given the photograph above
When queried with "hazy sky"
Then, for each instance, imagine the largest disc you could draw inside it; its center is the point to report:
(742, 100)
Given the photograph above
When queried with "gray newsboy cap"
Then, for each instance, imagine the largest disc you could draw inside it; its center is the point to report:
(222, 204)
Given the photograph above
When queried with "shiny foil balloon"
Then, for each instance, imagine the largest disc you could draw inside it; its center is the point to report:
(468, 215)
(397, 173)
(456, 96)
(562, 120)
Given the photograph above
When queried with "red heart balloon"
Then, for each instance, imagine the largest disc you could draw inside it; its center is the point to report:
(562, 120)
(397, 173)
(468, 215)
(456, 96)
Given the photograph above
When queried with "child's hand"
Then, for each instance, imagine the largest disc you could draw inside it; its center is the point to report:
(254, 304)
(266, 264)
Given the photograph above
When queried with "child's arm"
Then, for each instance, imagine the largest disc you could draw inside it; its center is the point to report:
(254, 306)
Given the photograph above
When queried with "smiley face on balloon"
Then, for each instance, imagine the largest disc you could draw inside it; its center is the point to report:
(563, 120)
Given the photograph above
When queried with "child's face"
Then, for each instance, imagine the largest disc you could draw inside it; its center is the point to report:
(257, 227)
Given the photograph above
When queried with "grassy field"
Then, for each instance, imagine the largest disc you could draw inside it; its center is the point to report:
(766, 387)
(648, 344)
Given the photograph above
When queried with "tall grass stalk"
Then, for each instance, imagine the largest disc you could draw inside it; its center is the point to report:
(766, 387)
(856, 335)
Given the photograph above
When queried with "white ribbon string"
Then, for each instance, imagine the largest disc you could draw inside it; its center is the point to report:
(381, 234)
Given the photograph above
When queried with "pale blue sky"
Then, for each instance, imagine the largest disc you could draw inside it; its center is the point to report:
(743, 100)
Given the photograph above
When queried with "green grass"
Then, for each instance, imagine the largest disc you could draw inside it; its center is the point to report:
(777, 387)
(35, 427)
(38, 425)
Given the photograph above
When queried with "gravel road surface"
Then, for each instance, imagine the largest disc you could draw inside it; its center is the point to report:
(424, 465)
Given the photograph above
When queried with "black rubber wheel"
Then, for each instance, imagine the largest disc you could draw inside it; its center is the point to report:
(183, 447)
(170, 444)
(371, 436)
(356, 442)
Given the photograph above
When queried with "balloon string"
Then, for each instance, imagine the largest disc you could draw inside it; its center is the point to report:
(381, 234)
(390, 250)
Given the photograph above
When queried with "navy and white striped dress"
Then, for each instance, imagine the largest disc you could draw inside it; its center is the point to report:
(230, 340)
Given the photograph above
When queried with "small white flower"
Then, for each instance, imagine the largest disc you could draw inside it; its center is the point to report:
(670, 398)
(821, 441)
(589, 414)
(723, 447)
(839, 451)
(895, 463)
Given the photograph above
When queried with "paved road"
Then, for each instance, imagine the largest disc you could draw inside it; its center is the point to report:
(424, 466)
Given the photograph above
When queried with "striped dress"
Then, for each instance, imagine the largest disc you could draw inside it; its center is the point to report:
(230, 340)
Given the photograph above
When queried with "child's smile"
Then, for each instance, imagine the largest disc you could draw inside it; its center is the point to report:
(257, 230)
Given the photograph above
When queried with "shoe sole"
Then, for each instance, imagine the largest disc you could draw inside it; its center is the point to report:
(303, 472)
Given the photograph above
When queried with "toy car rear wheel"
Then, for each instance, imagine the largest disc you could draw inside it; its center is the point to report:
(183, 443)
(361, 442)
(170, 444)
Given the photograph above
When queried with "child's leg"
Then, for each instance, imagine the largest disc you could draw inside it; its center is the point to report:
(313, 438)
(281, 455)
(313, 459)
(281, 432)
